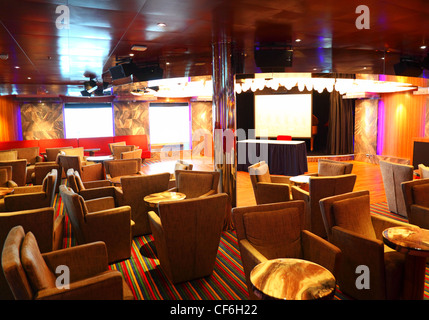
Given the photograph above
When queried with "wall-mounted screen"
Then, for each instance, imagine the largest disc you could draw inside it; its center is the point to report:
(88, 120)
(170, 123)
(283, 114)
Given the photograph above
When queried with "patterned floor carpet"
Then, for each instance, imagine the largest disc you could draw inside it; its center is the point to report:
(148, 282)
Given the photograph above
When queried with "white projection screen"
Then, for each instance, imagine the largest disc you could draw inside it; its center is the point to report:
(283, 114)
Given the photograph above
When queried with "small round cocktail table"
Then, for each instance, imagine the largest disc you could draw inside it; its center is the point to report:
(414, 242)
(292, 279)
(301, 181)
(155, 198)
(5, 191)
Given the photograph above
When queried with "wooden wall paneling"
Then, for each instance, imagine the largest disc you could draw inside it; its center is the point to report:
(9, 119)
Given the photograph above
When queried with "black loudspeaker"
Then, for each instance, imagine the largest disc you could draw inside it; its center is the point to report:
(148, 73)
(122, 71)
(408, 69)
(273, 58)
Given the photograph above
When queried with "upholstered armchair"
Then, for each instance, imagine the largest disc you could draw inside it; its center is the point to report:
(118, 168)
(32, 155)
(179, 165)
(424, 171)
(416, 196)
(187, 235)
(41, 169)
(19, 170)
(327, 167)
(268, 188)
(99, 220)
(31, 197)
(87, 171)
(276, 230)
(351, 227)
(134, 189)
(42, 223)
(119, 143)
(196, 184)
(117, 150)
(134, 154)
(319, 188)
(393, 175)
(52, 153)
(32, 275)
(6, 177)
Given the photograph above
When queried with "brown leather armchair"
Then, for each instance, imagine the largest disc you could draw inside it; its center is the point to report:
(133, 190)
(351, 227)
(99, 220)
(19, 170)
(87, 171)
(319, 188)
(196, 184)
(276, 230)
(31, 197)
(42, 223)
(6, 177)
(268, 188)
(416, 196)
(117, 168)
(187, 235)
(31, 275)
(393, 175)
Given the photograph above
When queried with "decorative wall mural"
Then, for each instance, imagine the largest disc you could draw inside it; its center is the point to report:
(131, 117)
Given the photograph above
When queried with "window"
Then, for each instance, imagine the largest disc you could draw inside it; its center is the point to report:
(169, 123)
(88, 120)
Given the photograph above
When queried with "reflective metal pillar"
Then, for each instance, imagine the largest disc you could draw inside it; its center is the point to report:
(224, 122)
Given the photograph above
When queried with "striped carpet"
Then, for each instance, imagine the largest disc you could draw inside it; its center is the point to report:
(148, 282)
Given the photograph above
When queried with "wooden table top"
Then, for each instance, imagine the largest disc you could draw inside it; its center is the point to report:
(408, 239)
(5, 191)
(158, 197)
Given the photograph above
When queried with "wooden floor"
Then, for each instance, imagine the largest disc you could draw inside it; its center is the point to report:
(368, 178)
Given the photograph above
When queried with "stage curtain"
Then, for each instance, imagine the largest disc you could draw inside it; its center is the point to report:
(9, 119)
(341, 125)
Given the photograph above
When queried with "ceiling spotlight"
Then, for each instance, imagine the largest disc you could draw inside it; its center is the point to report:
(162, 24)
(298, 40)
(423, 47)
(139, 47)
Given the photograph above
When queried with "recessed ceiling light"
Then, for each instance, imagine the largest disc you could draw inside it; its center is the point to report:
(298, 40)
(423, 47)
(139, 47)
(131, 54)
(162, 24)
(29, 78)
(17, 67)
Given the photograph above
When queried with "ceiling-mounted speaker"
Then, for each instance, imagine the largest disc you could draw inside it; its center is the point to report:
(148, 73)
(122, 71)
(408, 68)
(272, 58)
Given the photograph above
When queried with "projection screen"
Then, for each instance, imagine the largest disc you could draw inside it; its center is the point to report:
(283, 114)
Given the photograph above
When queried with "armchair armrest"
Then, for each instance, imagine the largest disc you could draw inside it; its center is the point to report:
(58, 235)
(272, 192)
(382, 223)
(209, 193)
(26, 201)
(27, 189)
(300, 194)
(98, 204)
(98, 192)
(105, 286)
(280, 179)
(419, 216)
(97, 184)
(320, 251)
(83, 260)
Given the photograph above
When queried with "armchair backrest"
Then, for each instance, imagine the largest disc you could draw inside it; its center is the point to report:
(322, 187)
(327, 167)
(70, 162)
(76, 210)
(118, 149)
(134, 189)
(273, 229)
(134, 154)
(74, 181)
(49, 186)
(327, 208)
(8, 155)
(31, 154)
(122, 167)
(5, 175)
(424, 171)
(119, 143)
(393, 175)
(192, 229)
(259, 172)
(52, 153)
(415, 192)
(195, 183)
(19, 170)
